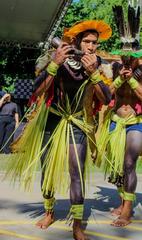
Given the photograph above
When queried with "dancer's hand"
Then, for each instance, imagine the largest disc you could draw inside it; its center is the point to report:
(62, 53)
(125, 74)
(90, 63)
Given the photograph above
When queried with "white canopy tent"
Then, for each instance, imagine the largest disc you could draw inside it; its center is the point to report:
(29, 21)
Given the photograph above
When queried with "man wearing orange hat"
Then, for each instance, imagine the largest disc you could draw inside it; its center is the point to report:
(73, 72)
(79, 84)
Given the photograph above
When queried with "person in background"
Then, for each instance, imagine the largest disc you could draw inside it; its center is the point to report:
(9, 120)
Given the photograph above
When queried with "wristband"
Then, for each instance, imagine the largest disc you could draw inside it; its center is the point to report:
(133, 83)
(95, 77)
(117, 82)
(52, 68)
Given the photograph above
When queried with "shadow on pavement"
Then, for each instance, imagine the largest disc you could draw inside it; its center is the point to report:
(102, 200)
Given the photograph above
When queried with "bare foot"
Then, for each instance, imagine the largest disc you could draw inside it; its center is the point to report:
(78, 233)
(117, 211)
(121, 222)
(125, 217)
(46, 221)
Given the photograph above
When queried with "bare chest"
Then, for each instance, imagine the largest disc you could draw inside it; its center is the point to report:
(125, 92)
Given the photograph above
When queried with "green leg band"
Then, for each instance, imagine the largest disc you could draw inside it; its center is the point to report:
(77, 211)
(129, 196)
(121, 191)
(49, 204)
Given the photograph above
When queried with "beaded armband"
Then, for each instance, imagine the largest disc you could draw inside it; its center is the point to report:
(133, 83)
(117, 82)
(95, 77)
(52, 68)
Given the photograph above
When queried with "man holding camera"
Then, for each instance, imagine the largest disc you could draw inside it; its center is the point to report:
(128, 108)
(70, 72)
(9, 120)
(72, 86)
(123, 141)
(121, 135)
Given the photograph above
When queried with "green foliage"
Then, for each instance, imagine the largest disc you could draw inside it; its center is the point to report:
(9, 86)
(16, 62)
(3, 62)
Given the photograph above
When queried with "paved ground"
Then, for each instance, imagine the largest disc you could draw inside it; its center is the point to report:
(20, 211)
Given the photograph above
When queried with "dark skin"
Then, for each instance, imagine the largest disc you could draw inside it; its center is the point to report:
(89, 60)
(126, 99)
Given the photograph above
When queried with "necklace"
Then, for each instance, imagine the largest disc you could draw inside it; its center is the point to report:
(74, 64)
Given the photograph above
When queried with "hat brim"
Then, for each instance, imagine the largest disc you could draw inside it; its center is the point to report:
(103, 29)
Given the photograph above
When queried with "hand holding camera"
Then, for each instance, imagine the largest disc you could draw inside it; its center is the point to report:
(126, 71)
(64, 51)
(125, 74)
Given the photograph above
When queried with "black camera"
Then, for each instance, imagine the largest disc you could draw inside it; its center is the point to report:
(56, 41)
(126, 62)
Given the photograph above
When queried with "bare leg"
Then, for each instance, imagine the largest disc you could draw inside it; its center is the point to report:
(78, 233)
(76, 193)
(48, 218)
(133, 150)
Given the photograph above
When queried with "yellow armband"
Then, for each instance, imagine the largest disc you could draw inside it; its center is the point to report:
(133, 83)
(95, 77)
(52, 68)
(117, 82)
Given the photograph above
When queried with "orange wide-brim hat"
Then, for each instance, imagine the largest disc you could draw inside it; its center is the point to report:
(103, 29)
